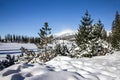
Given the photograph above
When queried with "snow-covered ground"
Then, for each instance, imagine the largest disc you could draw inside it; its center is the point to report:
(65, 68)
(6, 46)
(14, 48)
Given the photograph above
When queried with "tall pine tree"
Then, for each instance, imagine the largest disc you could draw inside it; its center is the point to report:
(116, 32)
(82, 38)
(45, 36)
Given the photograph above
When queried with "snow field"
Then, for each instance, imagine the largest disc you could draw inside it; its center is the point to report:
(65, 68)
(14, 47)
(7, 46)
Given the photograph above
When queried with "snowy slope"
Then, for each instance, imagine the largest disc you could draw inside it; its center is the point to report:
(65, 68)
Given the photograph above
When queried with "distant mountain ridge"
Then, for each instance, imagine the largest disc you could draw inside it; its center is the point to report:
(65, 36)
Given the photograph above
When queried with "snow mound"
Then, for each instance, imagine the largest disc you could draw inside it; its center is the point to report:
(65, 68)
(36, 71)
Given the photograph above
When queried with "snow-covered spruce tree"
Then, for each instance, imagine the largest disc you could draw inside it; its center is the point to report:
(98, 40)
(89, 37)
(116, 32)
(82, 36)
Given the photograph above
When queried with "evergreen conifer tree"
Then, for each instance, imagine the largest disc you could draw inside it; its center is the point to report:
(98, 35)
(89, 37)
(116, 32)
(45, 36)
(82, 36)
(98, 31)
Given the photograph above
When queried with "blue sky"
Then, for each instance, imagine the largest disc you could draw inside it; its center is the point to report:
(26, 17)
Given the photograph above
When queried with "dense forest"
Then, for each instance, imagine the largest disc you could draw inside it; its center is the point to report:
(19, 39)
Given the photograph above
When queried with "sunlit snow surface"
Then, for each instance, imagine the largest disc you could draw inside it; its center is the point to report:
(65, 68)
(14, 48)
(7, 46)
